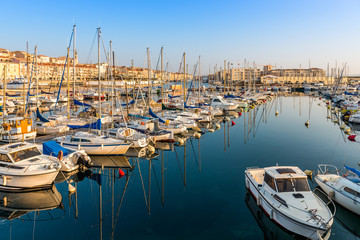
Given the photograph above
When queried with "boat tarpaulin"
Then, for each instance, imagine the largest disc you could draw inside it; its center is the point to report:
(130, 103)
(155, 116)
(95, 125)
(52, 148)
(76, 102)
(40, 117)
(357, 172)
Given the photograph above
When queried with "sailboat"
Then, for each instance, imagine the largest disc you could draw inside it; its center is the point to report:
(92, 143)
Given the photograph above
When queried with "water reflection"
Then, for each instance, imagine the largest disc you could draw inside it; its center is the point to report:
(16, 205)
(348, 220)
(270, 230)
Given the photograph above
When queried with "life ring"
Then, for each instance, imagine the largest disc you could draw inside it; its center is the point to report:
(60, 155)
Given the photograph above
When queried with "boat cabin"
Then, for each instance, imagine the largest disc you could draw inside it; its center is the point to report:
(283, 179)
(17, 152)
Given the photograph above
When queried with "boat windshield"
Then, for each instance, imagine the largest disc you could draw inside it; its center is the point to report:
(25, 154)
(292, 185)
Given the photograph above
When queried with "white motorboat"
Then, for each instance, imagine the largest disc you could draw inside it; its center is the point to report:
(24, 167)
(51, 127)
(220, 102)
(138, 139)
(70, 160)
(345, 190)
(284, 194)
(93, 144)
(152, 128)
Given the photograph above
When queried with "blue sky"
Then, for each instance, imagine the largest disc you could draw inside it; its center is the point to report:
(285, 33)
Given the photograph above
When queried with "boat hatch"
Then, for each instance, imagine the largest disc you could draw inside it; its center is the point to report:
(285, 170)
(16, 145)
(298, 195)
(24, 154)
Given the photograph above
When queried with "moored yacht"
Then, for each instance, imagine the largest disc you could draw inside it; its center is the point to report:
(94, 144)
(284, 195)
(24, 167)
(345, 190)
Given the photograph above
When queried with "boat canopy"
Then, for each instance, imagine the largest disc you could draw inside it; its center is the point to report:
(95, 125)
(76, 102)
(40, 117)
(357, 172)
(52, 148)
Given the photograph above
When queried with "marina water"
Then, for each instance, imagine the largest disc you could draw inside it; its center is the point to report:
(193, 191)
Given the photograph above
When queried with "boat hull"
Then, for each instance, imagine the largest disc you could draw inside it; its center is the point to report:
(21, 182)
(99, 149)
(351, 204)
(282, 220)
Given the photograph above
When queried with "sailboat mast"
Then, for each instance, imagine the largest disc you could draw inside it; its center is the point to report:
(74, 57)
(112, 81)
(68, 85)
(161, 79)
(199, 83)
(148, 63)
(99, 73)
(184, 90)
(36, 78)
(27, 75)
(4, 93)
(224, 76)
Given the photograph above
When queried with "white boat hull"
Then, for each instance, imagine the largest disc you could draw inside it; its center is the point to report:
(99, 149)
(351, 204)
(27, 181)
(281, 219)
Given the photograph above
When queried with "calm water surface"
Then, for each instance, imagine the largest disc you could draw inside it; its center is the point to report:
(195, 191)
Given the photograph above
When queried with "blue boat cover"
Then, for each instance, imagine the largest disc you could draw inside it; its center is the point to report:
(349, 93)
(95, 125)
(173, 96)
(52, 148)
(76, 102)
(186, 106)
(357, 172)
(40, 117)
(124, 104)
(155, 116)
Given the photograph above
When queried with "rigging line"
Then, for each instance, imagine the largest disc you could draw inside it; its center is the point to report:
(106, 55)
(192, 146)
(258, 124)
(178, 164)
(157, 64)
(118, 210)
(142, 183)
(92, 45)
(157, 182)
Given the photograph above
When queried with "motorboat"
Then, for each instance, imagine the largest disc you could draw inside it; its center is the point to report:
(220, 102)
(70, 160)
(94, 144)
(343, 189)
(285, 196)
(23, 166)
(16, 129)
(152, 129)
(138, 139)
(51, 127)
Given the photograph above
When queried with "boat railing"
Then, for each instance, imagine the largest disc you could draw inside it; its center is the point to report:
(52, 165)
(328, 204)
(327, 169)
